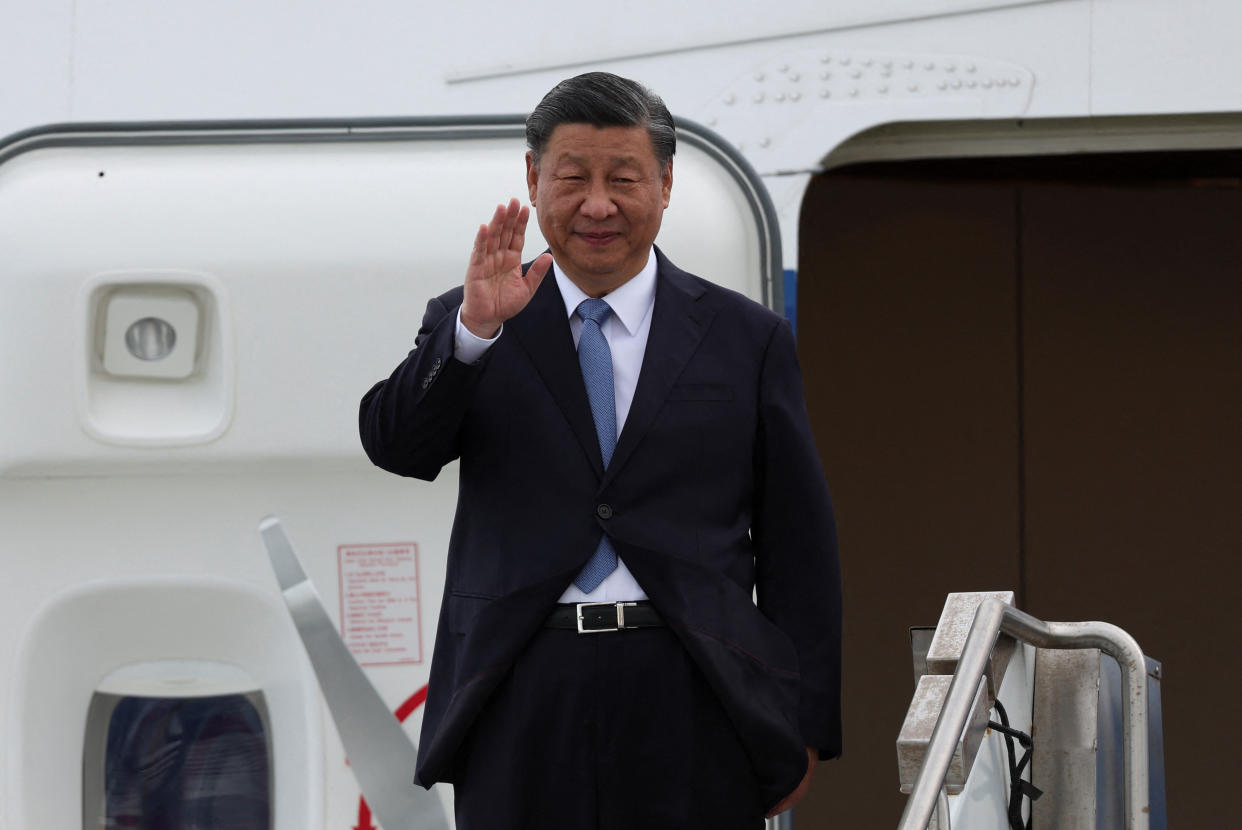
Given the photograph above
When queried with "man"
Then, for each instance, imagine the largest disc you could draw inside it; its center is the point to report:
(635, 462)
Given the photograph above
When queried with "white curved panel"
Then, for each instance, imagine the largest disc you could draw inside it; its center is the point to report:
(81, 636)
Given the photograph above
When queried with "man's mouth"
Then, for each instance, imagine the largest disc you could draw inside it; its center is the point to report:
(598, 238)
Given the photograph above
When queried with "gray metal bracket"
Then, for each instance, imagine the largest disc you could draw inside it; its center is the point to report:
(381, 755)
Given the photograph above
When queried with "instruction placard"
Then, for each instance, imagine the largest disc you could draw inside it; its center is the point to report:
(380, 608)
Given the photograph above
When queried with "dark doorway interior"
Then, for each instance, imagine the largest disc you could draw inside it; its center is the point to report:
(1027, 374)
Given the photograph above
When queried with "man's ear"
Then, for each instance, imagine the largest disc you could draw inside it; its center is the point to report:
(666, 182)
(532, 175)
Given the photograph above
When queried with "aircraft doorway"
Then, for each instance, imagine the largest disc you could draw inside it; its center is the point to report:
(1027, 373)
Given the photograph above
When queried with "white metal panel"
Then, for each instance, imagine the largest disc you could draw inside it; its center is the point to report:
(143, 59)
(138, 59)
(36, 43)
(1155, 56)
(689, 26)
(135, 59)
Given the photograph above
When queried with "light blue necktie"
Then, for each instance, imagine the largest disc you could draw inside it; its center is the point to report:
(595, 358)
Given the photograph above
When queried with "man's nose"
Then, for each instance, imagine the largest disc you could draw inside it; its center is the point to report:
(598, 203)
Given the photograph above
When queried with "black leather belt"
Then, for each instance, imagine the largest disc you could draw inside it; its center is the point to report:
(596, 617)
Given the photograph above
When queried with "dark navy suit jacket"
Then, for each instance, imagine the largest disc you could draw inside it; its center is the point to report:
(714, 489)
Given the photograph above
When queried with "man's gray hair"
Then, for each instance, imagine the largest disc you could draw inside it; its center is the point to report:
(602, 99)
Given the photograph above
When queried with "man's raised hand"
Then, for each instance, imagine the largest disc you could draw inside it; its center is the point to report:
(495, 286)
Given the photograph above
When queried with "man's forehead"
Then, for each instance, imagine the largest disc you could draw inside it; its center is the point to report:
(587, 142)
(577, 156)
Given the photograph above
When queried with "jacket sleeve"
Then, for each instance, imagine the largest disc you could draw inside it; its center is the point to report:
(798, 574)
(410, 424)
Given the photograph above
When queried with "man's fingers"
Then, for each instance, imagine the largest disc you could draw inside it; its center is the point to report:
(519, 227)
(537, 271)
(499, 240)
(496, 229)
(479, 252)
(518, 240)
(512, 211)
(508, 222)
(485, 238)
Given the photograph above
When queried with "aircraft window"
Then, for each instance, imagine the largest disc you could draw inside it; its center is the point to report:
(186, 763)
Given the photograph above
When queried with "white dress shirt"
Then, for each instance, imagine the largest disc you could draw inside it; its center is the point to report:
(626, 331)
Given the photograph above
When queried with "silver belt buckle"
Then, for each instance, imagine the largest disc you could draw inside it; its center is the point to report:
(619, 607)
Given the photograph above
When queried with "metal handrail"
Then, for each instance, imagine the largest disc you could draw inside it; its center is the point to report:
(992, 618)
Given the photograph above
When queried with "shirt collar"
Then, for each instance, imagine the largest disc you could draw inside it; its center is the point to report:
(630, 301)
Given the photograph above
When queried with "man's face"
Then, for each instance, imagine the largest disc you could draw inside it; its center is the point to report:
(599, 194)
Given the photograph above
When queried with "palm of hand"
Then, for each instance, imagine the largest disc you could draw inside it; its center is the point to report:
(495, 288)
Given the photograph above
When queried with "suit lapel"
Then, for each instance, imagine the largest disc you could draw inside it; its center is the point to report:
(542, 328)
(678, 324)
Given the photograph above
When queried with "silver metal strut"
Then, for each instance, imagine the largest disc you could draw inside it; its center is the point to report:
(992, 618)
(381, 755)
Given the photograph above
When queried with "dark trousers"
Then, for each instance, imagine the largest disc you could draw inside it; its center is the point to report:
(611, 731)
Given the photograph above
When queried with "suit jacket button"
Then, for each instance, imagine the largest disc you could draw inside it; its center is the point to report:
(604, 511)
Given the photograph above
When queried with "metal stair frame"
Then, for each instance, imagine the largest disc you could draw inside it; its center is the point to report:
(993, 618)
